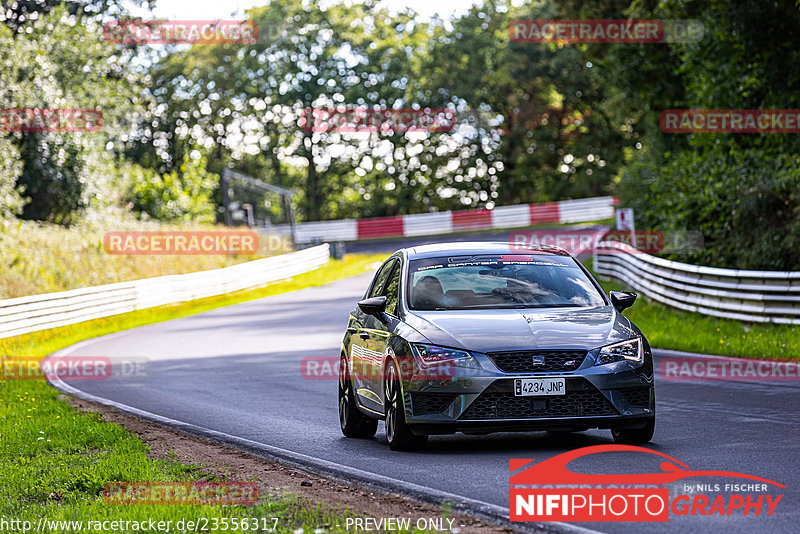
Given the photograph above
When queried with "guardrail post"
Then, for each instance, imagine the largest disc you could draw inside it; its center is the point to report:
(337, 250)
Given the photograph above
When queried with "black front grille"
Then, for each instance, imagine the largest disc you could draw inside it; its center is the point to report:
(637, 396)
(430, 403)
(499, 402)
(552, 361)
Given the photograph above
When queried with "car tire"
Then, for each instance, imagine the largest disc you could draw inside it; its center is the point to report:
(354, 424)
(635, 435)
(398, 433)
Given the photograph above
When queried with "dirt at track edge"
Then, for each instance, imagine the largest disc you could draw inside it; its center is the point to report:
(274, 478)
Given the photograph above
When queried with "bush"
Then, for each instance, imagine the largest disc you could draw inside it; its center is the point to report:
(746, 203)
(11, 201)
(185, 196)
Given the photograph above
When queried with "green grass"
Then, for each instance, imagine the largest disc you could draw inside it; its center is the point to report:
(55, 460)
(668, 328)
(43, 258)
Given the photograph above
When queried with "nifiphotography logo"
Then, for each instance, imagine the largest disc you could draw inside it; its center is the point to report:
(549, 491)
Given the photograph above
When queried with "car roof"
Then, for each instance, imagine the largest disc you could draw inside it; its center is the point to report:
(478, 247)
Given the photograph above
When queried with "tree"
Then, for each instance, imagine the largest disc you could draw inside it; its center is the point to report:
(553, 141)
(19, 14)
(739, 190)
(57, 63)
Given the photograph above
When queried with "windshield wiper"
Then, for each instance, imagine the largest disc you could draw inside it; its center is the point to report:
(516, 306)
(504, 307)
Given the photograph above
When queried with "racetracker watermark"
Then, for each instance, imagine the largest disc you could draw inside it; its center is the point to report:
(50, 120)
(384, 121)
(362, 365)
(200, 493)
(71, 368)
(690, 369)
(178, 243)
(582, 241)
(140, 32)
(730, 121)
(572, 31)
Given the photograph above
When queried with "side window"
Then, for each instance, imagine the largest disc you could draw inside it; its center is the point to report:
(380, 279)
(393, 289)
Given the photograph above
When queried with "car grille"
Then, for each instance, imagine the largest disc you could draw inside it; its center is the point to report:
(430, 403)
(499, 402)
(522, 362)
(637, 396)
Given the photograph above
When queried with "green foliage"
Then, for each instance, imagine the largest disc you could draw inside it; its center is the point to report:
(739, 190)
(745, 202)
(11, 201)
(51, 177)
(61, 61)
(552, 140)
(184, 195)
(18, 15)
(536, 122)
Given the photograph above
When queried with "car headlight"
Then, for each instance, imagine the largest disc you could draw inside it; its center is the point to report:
(433, 355)
(625, 350)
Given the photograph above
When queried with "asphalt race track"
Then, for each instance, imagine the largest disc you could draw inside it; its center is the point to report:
(237, 370)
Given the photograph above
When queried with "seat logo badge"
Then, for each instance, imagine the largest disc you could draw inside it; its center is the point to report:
(538, 359)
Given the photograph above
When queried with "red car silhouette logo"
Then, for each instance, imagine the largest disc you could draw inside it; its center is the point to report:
(554, 471)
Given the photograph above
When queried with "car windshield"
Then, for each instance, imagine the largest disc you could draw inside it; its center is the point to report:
(499, 281)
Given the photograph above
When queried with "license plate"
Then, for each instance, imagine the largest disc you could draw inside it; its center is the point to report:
(529, 387)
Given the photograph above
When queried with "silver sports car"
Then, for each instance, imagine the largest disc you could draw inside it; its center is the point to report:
(491, 337)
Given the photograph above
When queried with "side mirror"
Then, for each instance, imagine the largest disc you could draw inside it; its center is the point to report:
(622, 299)
(374, 306)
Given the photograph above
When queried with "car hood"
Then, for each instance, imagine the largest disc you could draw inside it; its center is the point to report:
(500, 330)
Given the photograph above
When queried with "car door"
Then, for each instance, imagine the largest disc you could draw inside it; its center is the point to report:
(367, 344)
(381, 329)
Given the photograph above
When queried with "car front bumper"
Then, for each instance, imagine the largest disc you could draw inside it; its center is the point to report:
(617, 395)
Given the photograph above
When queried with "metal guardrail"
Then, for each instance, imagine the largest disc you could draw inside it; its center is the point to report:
(38, 312)
(751, 296)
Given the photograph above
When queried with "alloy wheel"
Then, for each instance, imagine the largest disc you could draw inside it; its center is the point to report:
(344, 393)
(391, 402)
